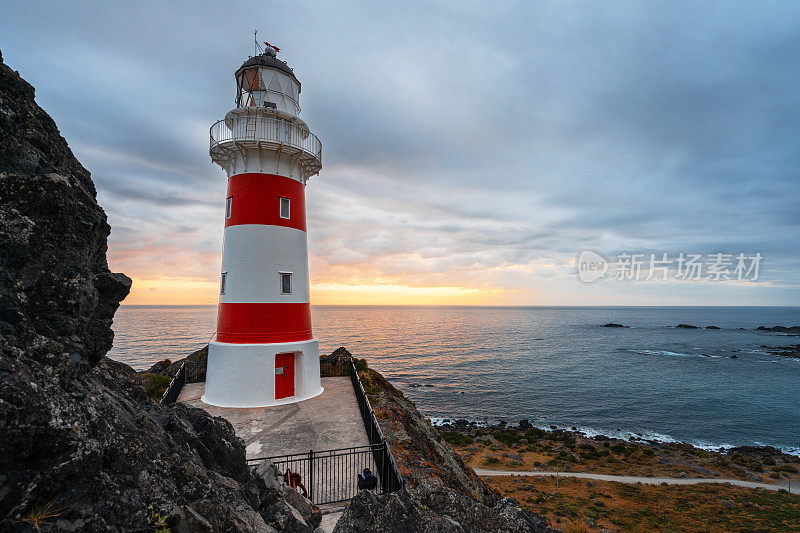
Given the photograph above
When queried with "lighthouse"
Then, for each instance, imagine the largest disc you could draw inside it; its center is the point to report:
(264, 352)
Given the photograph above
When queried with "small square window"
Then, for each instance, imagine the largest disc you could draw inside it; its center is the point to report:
(222, 283)
(285, 207)
(286, 283)
(228, 207)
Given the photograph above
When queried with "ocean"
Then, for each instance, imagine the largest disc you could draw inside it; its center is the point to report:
(555, 366)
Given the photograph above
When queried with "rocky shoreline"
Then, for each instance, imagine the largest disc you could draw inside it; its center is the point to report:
(576, 451)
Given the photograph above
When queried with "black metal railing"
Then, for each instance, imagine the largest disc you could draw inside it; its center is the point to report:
(385, 463)
(331, 476)
(175, 386)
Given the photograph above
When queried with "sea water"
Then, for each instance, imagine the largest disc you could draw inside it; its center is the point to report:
(551, 365)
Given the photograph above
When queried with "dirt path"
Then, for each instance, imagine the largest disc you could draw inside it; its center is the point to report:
(635, 479)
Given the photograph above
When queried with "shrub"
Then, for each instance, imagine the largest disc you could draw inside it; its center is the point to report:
(618, 448)
(492, 460)
(156, 384)
(752, 464)
(535, 433)
(507, 437)
(454, 438)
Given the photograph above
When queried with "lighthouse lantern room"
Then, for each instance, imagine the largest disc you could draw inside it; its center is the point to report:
(264, 352)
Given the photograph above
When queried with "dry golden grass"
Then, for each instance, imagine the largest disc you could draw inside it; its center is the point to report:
(645, 508)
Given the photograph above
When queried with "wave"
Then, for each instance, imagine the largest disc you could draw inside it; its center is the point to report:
(673, 354)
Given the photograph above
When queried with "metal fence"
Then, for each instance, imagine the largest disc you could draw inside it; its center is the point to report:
(385, 463)
(175, 386)
(331, 476)
(268, 129)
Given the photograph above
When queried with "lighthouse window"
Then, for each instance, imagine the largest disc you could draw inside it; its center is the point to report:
(286, 283)
(285, 207)
(228, 206)
(222, 283)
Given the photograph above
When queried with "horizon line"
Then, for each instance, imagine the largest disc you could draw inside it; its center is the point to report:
(122, 304)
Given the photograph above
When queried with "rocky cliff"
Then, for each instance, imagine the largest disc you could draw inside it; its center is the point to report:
(81, 446)
(442, 493)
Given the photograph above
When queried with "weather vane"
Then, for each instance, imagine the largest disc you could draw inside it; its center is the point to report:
(257, 47)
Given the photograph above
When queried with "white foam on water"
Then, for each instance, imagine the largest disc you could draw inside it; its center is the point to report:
(674, 354)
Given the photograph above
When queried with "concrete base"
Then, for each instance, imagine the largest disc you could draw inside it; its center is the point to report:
(243, 375)
(329, 421)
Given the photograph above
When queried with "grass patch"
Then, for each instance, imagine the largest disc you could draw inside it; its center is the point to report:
(155, 385)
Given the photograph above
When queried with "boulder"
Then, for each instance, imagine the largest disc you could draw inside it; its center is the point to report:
(284, 503)
(432, 509)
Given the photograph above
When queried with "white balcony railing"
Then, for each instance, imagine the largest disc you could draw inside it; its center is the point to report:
(258, 129)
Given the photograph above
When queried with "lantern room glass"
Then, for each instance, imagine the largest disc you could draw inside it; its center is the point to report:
(252, 90)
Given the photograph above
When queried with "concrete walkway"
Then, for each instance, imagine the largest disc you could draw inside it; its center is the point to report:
(328, 421)
(635, 479)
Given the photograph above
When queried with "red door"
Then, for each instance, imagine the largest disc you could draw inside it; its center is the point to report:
(284, 375)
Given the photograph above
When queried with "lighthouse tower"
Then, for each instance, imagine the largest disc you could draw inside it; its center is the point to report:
(264, 352)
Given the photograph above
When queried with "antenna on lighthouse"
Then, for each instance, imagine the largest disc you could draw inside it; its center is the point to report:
(256, 47)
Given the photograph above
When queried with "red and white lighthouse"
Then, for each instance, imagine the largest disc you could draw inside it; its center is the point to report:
(264, 352)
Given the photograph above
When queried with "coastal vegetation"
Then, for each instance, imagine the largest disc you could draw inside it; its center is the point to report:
(572, 504)
(587, 504)
(155, 384)
(531, 448)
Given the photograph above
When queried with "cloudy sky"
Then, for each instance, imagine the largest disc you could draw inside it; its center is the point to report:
(471, 149)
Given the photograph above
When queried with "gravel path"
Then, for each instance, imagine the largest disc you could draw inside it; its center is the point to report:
(635, 479)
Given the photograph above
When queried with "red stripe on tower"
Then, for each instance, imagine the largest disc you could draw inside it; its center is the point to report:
(264, 322)
(255, 199)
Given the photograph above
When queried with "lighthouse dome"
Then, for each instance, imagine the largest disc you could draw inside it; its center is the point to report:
(267, 82)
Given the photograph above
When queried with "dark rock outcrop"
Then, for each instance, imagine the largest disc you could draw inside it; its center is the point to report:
(780, 329)
(442, 493)
(284, 507)
(613, 325)
(54, 279)
(195, 366)
(786, 351)
(686, 326)
(77, 432)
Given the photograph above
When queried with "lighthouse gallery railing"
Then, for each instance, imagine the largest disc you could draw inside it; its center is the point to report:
(257, 128)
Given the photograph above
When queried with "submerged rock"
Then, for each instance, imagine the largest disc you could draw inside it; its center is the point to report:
(780, 329)
(686, 326)
(613, 325)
